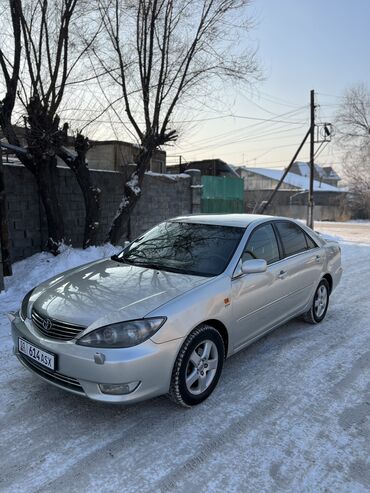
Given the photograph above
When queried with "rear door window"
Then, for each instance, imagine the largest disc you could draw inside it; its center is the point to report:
(262, 244)
(292, 237)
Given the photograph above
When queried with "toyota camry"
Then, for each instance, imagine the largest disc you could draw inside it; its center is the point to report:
(162, 316)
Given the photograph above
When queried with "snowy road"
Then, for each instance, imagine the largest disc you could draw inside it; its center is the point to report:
(291, 413)
(351, 231)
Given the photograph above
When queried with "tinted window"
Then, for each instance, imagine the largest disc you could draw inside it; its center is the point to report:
(292, 237)
(262, 244)
(189, 248)
(310, 242)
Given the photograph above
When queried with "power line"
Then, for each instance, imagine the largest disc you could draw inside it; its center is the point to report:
(276, 100)
(250, 100)
(243, 117)
(329, 95)
(271, 122)
(247, 131)
(255, 138)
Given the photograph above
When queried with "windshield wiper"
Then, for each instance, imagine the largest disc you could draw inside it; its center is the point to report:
(152, 265)
(122, 260)
(149, 265)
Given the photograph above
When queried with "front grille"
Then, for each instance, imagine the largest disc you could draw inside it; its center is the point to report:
(69, 383)
(54, 329)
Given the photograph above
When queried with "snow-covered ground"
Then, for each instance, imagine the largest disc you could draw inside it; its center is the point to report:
(358, 231)
(291, 412)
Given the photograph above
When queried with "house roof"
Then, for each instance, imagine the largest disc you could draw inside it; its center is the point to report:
(301, 182)
(322, 171)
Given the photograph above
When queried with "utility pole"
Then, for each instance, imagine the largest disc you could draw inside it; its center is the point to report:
(310, 205)
(319, 134)
(267, 202)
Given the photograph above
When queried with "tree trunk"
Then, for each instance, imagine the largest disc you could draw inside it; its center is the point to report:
(47, 179)
(131, 195)
(91, 195)
(43, 168)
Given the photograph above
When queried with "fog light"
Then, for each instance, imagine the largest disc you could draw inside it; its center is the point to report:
(118, 388)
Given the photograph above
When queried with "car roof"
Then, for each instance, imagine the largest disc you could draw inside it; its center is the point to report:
(243, 220)
(240, 220)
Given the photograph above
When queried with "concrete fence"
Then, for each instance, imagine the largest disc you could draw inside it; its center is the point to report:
(1, 270)
(163, 196)
(329, 206)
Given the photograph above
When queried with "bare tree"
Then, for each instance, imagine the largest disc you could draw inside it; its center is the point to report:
(50, 41)
(10, 68)
(353, 117)
(166, 50)
(357, 174)
(353, 125)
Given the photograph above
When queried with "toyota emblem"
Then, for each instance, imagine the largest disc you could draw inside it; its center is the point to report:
(46, 324)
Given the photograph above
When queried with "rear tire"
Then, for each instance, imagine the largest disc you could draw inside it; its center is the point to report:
(319, 305)
(197, 367)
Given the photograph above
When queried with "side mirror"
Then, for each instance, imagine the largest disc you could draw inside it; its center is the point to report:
(254, 266)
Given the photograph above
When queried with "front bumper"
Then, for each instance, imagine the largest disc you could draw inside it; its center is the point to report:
(77, 371)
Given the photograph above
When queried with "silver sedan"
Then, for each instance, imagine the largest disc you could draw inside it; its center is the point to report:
(163, 315)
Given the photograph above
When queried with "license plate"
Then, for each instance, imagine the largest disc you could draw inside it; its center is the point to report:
(37, 354)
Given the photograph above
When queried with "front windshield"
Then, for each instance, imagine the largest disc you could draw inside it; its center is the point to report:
(189, 248)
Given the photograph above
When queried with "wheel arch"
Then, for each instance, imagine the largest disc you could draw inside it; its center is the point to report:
(221, 328)
(329, 278)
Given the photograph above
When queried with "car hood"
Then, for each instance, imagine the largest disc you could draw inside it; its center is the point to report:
(107, 291)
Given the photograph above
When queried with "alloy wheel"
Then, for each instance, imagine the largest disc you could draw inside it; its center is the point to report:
(202, 367)
(321, 300)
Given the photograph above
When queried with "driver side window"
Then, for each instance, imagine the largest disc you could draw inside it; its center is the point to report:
(262, 244)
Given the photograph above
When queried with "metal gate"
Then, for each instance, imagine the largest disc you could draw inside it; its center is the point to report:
(222, 194)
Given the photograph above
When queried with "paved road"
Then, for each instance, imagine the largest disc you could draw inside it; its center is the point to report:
(291, 414)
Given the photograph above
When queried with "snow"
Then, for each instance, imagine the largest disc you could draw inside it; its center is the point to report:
(133, 184)
(304, 169)
(295, 180)
(41, 266)
(358, 232)
(124, 203)
(290, 413)
(173, 177)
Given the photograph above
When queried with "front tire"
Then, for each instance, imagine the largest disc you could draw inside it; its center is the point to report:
(319, 305)
(197, 367)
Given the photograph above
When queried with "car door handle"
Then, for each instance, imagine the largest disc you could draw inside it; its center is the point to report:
(282, 274)
(318, 258)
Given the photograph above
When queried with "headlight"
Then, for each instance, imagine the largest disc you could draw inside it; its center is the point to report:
(123, 334)
(24, 306)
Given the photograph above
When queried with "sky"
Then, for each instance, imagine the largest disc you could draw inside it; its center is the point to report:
(302, 45)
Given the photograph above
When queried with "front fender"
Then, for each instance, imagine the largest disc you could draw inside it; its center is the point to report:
(211, 301)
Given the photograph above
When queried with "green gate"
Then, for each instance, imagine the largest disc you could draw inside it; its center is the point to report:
(222, 194)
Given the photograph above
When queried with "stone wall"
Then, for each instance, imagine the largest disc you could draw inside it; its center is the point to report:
(163, 196)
